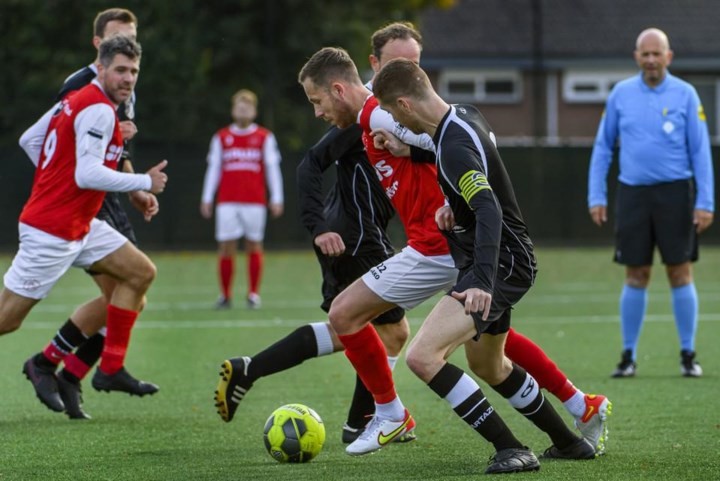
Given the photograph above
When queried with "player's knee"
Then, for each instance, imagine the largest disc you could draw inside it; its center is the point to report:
(143, 276)
(419, 363)
(638, 277)
(679, 275)
(338, 319)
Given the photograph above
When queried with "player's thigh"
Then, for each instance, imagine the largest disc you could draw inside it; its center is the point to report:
(40, 261)
(109, 252)
(228, 223)
(443, 330)
(101, 242)
(340, 272)
(127, 263)
(356, 306)
(253, 218)
(409, 278)
(673, 210)
(634, 236)
(14, 308)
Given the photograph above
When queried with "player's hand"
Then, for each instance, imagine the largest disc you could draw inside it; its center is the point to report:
(444, 218)
(384, 140)
(702, 219)
(476, 300)
(158, 177)
(598, 214)
(146, 203)
(128, 129)
(276, 210)
(330, 244)
(206, 209)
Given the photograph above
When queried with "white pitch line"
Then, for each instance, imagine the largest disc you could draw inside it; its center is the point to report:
(545, 299)
(284, 323)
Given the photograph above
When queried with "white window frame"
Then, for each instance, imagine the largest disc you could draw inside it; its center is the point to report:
(479, 78)
(603, 80)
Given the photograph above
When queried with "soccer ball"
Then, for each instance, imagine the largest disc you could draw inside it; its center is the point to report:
(294, 433)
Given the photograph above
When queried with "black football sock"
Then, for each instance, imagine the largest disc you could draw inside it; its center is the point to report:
(67, 338)
(469, 402)
(524, 394)
(288, 352)
(362, 406)
(89, 353)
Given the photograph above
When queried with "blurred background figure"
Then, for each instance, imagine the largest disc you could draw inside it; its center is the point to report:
(243, 159)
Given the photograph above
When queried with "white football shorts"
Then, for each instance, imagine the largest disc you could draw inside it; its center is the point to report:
(409, 278)
(42, 258)
(234, 220)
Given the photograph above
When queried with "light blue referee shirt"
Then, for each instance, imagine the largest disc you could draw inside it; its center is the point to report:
(663, 137)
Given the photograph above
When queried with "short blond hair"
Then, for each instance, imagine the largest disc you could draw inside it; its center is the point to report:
(245, 95)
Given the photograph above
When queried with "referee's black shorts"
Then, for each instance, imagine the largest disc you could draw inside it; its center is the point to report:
(655, 215)
(339, 272)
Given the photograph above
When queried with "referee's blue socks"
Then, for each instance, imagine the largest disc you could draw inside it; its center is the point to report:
(633, 302)
(685, 308)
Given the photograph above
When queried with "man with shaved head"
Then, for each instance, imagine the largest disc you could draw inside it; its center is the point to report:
(665, 193)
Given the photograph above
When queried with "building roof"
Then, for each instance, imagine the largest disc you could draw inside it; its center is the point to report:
(562, 32)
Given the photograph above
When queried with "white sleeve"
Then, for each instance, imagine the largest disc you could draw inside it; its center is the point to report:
(273, 175)
(32, 139)
(94, 128)
(381, 119)
(213, 171)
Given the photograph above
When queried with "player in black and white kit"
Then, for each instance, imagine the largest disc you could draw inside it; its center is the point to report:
(491, 248)
(84, 330)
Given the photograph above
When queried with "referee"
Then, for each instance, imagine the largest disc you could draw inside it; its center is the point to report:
(665, 191)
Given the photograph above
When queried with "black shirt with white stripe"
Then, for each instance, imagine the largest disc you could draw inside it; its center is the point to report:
(490, 235)
(356, 207)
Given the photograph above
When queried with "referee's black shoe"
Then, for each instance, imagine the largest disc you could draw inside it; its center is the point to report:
(626, 367)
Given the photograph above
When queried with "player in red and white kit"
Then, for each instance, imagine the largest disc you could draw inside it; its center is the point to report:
(414, 275)
(76, 165)
(242, 160)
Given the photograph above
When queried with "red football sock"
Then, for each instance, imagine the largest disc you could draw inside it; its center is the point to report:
(76, 367)
(226, 268)
(255, 264)
(53, 354)
(529, 356)
(367, 354)
(119, 325)
(567, 391)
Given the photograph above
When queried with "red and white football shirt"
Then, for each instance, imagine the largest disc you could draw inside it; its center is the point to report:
(240, 163)
(412, 188)
(57, 205)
